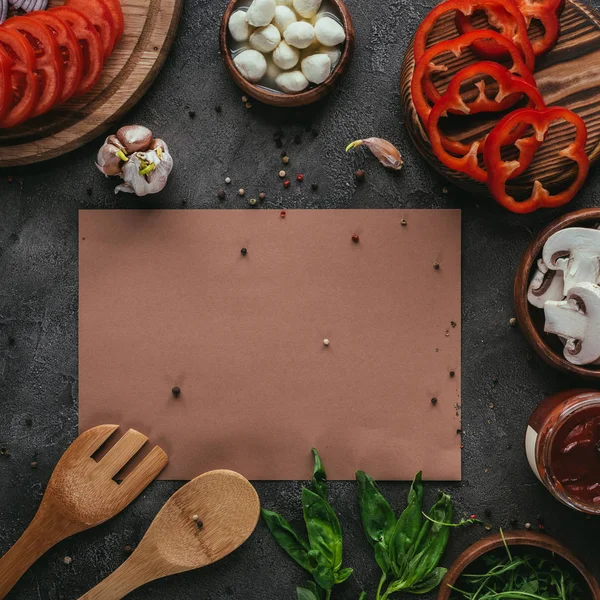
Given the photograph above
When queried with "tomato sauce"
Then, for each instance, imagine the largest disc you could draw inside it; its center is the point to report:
(575, 456)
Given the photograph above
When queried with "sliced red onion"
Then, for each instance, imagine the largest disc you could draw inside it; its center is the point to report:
(3, 10)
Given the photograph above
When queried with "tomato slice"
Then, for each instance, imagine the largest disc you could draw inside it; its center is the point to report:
(97, 12)
(72, 55)
(89, 42)
(48, 64)
(6, 64)
(25, 84)
(114, 6)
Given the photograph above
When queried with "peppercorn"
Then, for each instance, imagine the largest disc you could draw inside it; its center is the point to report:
(314, 186)
(286, 183)
(436, 266)
(248, 105)
(453, 323)
(513, 322)
(262, 196)
(244, 99)
(127, 549)
(403, 223)
(300, 177)
(67, 560)
(434, 401)
(176, 391)
(285, 160)
(241, 191)
(282, 214)
(244, 251)
(252, 201)
(282, 174)
(452, 373)
(221, 194)
(34, 464)
(218, 108)
(192, 114)
(228, 180)
(325, 342)
(359, 175)
(355, 239)
(200, 524)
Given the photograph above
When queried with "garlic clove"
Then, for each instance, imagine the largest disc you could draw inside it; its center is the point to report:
(261, 12)
(251, 64)
(284, 17)
(108, 161)
(316, 68)
(292, 82)
(334, 53)
(307, 8)
(300, 34)
(265, 39)
(135, 137)
(387, 154)
(155, 180)
(286, 56)
(329, 32)
(238, 26)
(114, 140)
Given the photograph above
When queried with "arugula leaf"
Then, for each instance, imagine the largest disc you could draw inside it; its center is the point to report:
(319, 479)
(377, 515)
(287, 538)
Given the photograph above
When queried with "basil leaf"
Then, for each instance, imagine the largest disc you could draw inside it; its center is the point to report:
(408, 526)
(319, 480)
(363, 596)
(325, 577)
(429, 584)
(382, 557)
(377, 515)
(287, 538)
(305, 594)
(342, 575)
(324, 530)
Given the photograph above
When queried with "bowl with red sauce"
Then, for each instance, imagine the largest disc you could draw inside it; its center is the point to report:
(563, 448)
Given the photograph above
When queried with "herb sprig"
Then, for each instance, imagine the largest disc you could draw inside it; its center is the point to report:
(321, 556)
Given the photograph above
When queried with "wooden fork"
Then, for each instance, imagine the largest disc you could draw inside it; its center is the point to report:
(82, 494)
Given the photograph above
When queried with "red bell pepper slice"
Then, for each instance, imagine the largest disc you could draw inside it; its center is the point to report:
(423, 88)
(6, 64)
(48, 62)
(114, 6)
(547, 13)
(70, 50)
(502, 14)
(452, 100)
(97, 12)
(500, 171)
(25, 84)
(89, 42)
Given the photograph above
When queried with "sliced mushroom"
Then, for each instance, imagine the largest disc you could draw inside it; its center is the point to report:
(576, 252)
(578, 320)
(545, 285)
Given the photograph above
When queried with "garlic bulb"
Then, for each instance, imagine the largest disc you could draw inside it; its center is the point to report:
(147, 172)
(251, 64)
(300, 35)
(307, 8)
(238, 26)
(284, 17)
(329, 32)
(265, 39)
(292, 82)
(334, 54)
(261, 12)
(286, 56)
(316, 68)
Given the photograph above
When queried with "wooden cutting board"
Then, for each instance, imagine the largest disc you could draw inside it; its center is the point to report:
(150, 27)
(567, 76)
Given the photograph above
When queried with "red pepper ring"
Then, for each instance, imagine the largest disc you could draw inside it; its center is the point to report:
(500, 171)
(549, 19)
(423, 88)
(503, 14)
(508, 84)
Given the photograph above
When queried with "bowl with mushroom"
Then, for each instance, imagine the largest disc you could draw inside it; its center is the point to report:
(287, 52)
(557, 294)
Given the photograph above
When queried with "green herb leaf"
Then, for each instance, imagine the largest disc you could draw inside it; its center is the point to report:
(306, 594)
(382, 557)
(325, 577)
(342, 575)
(363, 596)
(377, 515)
(429, 584)
(287, 538)
(324, 530)
(319, 480)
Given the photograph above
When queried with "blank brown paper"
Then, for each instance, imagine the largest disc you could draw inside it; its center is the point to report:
(168, 299)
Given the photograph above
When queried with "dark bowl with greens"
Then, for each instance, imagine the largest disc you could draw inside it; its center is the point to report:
(519, 565)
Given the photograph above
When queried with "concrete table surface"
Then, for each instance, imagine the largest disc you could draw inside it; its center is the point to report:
(502, 381)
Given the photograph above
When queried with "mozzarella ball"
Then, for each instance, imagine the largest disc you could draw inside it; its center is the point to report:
(316, 68)
(329, 32)
(273, 71)
(251, 64)
(284, 17)
(238, 26)
(334, 53)
(307, 8)
(292, 82)
(265, 39)
(261, 13)
(286, 56)
(299, 34)
(283, 2)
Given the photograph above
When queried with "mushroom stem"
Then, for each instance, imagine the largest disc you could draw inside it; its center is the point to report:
(565, 319)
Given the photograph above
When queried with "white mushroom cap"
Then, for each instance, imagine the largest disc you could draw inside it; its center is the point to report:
(578, 320)
(251, 64)
(316, 68)
(292, 82)
(300, 34)
(286, 56)
(576, 252)
(545, 285)
(238, 26)
(284, 17)
(265, 39)
(329, 32)
(261, 12)
(334, 53)
(307, 8)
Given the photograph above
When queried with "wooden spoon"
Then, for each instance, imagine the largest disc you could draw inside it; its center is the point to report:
(204, 521)
(82, 494)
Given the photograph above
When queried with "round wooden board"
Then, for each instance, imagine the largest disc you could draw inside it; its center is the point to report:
(150, 27)
(567, 76)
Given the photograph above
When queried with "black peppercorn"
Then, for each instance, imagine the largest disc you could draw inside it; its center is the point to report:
(218, 108)
(244, 251)
(314, 186)
(434, 401)
(192, 114)
(221, 194)
(452, 373)
(436, 266)
(176, 391)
